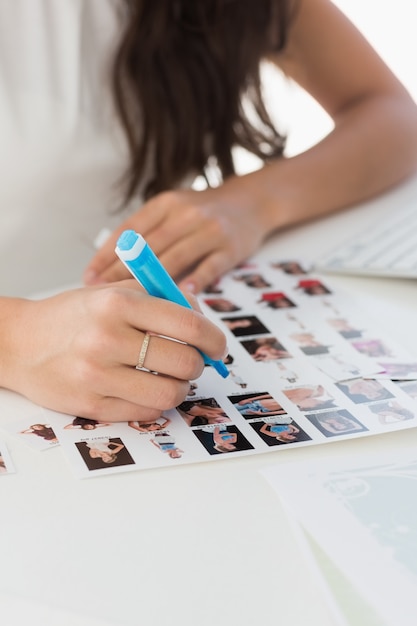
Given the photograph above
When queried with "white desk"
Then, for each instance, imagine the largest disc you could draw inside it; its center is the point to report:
(195, 545)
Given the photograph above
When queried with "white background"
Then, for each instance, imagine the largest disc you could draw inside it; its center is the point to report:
(388, 26)
(213, 545)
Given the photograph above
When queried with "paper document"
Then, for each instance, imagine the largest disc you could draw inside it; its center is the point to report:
(361, 513)
(307, 367)
(387, 247)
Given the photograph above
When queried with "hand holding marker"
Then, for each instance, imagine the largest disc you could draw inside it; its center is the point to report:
(144, 265)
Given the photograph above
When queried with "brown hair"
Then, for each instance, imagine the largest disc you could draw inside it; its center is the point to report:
(181, 74)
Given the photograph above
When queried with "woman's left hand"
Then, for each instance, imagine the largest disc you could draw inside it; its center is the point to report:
(197, 235)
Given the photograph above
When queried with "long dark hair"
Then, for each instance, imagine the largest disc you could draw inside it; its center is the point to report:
(183, 70)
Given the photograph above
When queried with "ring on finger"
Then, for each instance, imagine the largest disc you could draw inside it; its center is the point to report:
(143, 351)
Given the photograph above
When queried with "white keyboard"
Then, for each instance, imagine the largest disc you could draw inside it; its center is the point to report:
(387, 248)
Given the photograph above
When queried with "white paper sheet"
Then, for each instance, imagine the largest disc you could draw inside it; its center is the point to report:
(304, 363)
(361, 512)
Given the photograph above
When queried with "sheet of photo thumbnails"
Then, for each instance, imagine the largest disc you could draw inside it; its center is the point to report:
(306, 367)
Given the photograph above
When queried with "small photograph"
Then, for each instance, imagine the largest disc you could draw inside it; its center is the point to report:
(161, 423)
(372, 347)
(102, 452)
(289, 267)
(310, 397)
(256, 281)
(276, 433)
(287, 374)
(331, 305)
(337, 367)
(221, 305)
(237, 379)
(361, 390)
(6, 465)
(336, 423)
(266, 349)
(3, 468)
(256, 405)
(222, 439)
(313, 287)
(245, 326)
(276, 300)
(83, 423)
(229, 360)
(408, 386)
(247, 265)
(40, 436)
(399, 371)
(295, 320)
(192, 390)
(344, 328)
(165, 442)
(214, 288)
(391, 412)
(309, 344)
(202, 412)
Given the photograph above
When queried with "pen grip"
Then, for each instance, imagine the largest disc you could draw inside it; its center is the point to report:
(148, 270)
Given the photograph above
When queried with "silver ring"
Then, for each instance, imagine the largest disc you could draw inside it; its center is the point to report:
(143, 351)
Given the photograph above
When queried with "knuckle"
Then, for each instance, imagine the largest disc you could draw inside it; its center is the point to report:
(92, 344)
(193, 213)
(200, 324)
(219, 228)
(109, 301)
(194, 324)
(190, 363)
(92, 407)
(170, 394)
(88, 374)
(178, 260)
(221, 346)
(203, 328)
(148, 414)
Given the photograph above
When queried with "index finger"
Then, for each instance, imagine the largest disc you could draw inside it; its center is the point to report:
(104, 266)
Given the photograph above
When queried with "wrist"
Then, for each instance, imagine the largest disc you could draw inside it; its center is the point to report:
(15, 315)
(270, 192)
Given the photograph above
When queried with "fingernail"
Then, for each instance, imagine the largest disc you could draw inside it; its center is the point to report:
(101, 238)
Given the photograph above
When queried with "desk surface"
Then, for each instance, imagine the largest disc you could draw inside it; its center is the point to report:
(199, 544)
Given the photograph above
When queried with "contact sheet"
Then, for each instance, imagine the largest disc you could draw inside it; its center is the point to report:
(306, 367)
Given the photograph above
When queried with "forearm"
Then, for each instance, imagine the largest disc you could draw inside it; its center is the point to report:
(372, 148)
(12, 340)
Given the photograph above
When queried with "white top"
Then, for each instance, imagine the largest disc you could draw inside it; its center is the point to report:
(99, 444)
(62, 149)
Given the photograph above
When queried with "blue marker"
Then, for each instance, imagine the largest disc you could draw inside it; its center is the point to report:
(139, 259)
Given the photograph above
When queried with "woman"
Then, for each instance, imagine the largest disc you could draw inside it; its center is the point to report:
(391, 412)
(84, 424)
(41, 430)
(282, 432)
(182, 70)
(260, 405)
(201, 413)
(146, 427)
(361, 390)
(3, 468)
(309, 397)
(104, 449)
(166, 444)
(223, 440)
